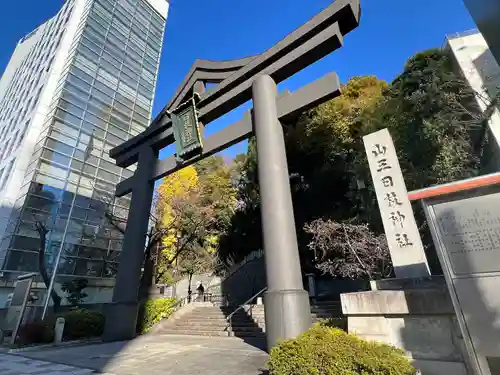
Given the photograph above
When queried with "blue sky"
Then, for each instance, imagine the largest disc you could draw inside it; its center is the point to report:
(389, 33)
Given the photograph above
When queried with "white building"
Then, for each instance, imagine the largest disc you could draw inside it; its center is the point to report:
(486, 14)
(478, 66)
(91, 69)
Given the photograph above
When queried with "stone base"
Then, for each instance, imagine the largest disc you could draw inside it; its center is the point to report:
(427, 367)
(121, 321)
(287, 315)
(422, 322)
(430, 282)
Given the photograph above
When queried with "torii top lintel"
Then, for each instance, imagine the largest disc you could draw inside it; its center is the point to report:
(315, 39)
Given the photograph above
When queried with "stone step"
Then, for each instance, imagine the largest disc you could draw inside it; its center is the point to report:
(216, 315)
(195, 324)
(212, 320)
(326, 307)
(218, 318)
(324, 315)
(216, 328)
(318, 309)
(184, 331)
(249, 330)
(244, 318)
(189, 332)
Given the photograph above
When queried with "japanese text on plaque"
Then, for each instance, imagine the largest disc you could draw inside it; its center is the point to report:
(391, 199)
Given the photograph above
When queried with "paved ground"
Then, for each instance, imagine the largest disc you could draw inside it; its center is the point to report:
(147, 355)
(16, 365)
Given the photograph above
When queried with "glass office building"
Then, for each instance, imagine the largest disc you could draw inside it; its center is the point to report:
(77, 86)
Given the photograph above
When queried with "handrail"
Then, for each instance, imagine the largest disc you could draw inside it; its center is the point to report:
(179, 303)
(230, 316)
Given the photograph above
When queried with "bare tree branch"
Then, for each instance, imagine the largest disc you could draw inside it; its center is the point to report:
(42, 230)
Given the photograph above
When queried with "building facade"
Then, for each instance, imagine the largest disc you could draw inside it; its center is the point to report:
(475, 62)
(486, 14)
(77, 86)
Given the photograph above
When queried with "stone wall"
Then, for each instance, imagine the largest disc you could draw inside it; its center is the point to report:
(421, 322)
(243, 283)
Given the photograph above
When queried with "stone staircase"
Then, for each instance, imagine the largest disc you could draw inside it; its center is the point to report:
(204, 319)
(325, 310)
(211, 321)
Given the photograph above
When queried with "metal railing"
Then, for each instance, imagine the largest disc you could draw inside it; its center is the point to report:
(229, 318)
(181, 303)
(462, 34)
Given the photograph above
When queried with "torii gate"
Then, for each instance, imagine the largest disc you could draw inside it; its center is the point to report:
(287, 312)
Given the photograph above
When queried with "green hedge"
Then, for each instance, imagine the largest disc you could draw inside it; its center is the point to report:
(82, 323)
(152, 311)
(39, 332)
(79, 324)
(331, 351)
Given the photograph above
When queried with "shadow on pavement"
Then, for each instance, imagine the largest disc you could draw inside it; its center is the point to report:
(161, 354)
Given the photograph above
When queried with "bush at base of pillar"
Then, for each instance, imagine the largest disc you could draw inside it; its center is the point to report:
(152, 311)
(79, 324)
(325, 350)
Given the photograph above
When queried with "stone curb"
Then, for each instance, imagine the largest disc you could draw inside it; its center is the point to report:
(63, 344)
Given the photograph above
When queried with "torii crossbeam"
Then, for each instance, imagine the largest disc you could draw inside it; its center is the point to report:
(181, 121)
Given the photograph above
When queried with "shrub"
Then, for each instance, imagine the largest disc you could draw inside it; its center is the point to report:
(39, 332)
(79, 323)
(152, 311)
(82, 323)
(324, 350)
(340, 323)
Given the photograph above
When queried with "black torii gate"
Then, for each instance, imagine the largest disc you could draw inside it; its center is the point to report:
(287, 312)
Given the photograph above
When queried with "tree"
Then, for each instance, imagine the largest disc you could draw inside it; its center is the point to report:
(348, 250)
(196, 261)
(114, 225)
(217, 189)
(42, 224)
(74, 290)
(323, 148)
(194, 204)
(176, 209)
(438, 130)
(42, 230)
(434, 120)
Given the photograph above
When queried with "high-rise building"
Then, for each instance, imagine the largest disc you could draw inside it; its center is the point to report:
(474, 61)
(75, 87)
(486, 14)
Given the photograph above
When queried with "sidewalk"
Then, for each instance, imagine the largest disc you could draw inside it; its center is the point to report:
(16, 365)
(151, 355)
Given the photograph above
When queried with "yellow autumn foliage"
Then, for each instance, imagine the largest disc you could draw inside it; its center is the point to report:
(181, 186)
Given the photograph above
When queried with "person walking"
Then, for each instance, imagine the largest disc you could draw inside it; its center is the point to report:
(201, 292)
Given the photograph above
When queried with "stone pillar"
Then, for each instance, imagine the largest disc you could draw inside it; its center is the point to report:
(287, 310)
(121, 317)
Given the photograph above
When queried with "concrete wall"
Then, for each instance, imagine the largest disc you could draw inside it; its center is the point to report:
(181, 288)
(421, 322)
(100, 291)
(332, 288)
(243, 283)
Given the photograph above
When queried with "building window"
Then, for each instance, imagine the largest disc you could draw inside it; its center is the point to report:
(7, 174)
